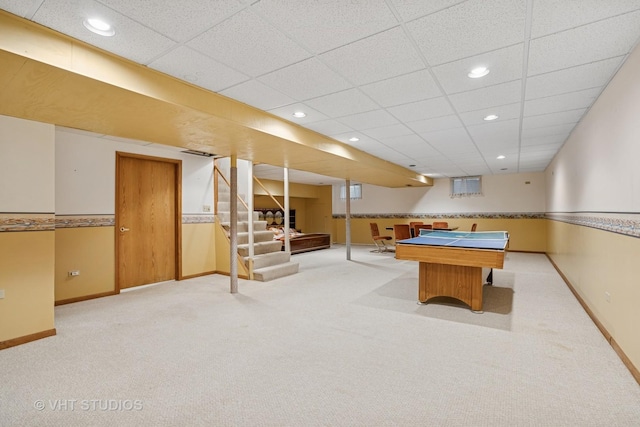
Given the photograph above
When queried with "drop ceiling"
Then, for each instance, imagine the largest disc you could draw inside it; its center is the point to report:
(391, 73)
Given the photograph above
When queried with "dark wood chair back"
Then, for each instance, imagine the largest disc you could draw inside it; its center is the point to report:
(418, 227)
(401, 231)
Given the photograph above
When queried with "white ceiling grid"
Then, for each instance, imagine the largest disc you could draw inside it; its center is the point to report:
(392, 73)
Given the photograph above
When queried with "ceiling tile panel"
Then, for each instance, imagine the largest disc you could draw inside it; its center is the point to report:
(368, 120)
(436, 124)
(252, 92)
(194, 67)
(498, 131)
(600, 40)
(557, 139)
(245, 42)
(381, 56)
(343, 103)
(410, 143)
(412, 9)
(451, 142)
(504, 112)
(563, 102)
(488, 25)
(542, 147)
(132, 40)
(388, 131)
(286, 112)
(330, 127)
(559, 130)
(172, 19)
(596, 74)
(492, 96)
(422, 110)
(553, 119)
(403, 89)
(504, 65)
(550, 16)
(340, 22)
(307, 79)
(23, 8)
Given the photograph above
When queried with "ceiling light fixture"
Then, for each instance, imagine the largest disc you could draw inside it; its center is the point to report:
(500, 157)
(354, 139)
(299, 114)
(478, 72)
(98, 26)
(490, 117)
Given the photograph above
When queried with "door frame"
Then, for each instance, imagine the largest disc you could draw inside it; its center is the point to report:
(177, 163)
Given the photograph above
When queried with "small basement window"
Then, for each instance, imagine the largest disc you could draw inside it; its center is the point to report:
(354, 189)
(466, 186)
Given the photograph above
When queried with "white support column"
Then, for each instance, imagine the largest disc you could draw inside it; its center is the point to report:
(250, 220)
(233, 226)
(347, 220)
(287, 243)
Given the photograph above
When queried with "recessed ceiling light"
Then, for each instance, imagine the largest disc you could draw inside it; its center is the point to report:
(354, 139)
(500, 157)
(98, 26)
(412, 166)
(299, 114)
(490, 117)
(478, 72)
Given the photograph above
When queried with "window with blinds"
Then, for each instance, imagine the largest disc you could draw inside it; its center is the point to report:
(467, 186)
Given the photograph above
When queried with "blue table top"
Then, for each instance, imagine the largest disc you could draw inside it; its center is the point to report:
(461, 239)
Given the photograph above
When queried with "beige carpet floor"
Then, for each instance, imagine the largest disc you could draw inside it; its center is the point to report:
(339, 344)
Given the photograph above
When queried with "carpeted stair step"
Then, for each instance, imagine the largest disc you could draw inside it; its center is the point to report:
(260, 248)
(243, 226)
(225, 217)
(258, 236)
(266, 260)
(275, 271)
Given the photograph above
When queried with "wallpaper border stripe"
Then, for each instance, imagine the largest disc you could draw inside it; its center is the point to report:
(15, 222)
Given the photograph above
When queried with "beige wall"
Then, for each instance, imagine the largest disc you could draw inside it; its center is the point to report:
(27, 238)
(597, 262)
(89, 250)
(198, 249)
(27, 266)
(593, 192)
(526, 234)
(504, 193)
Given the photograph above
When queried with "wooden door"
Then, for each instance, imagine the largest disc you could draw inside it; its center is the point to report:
(147, 219)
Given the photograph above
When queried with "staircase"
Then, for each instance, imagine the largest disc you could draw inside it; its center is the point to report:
(269, 261)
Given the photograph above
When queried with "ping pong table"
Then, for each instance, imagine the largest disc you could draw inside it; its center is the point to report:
(451, 262)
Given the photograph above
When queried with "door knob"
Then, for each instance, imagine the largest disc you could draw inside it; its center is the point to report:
(123, 229)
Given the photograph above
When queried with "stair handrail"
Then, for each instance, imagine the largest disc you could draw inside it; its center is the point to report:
(217, 169)
(268, 192)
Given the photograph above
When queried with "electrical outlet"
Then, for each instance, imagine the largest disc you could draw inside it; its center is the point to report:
(607, 296)
(74, 273)
(206, 208)
(1, 293)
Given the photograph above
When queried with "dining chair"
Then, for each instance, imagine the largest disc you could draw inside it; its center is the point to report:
(379, 240)
(401, 232)
(440, 224)
(418, 227)
(412, 224)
